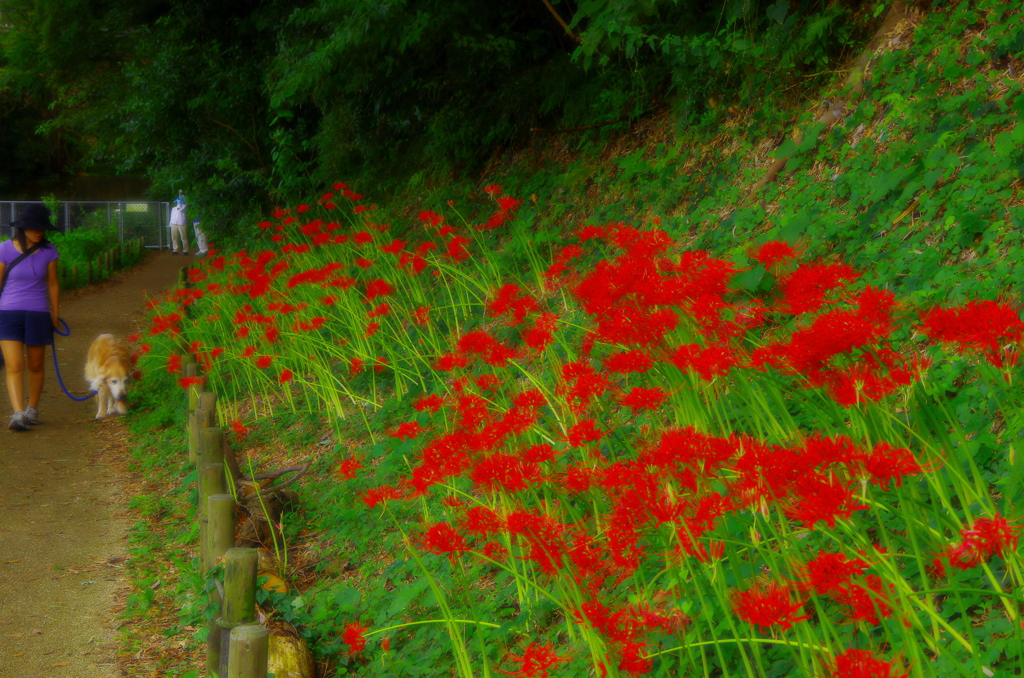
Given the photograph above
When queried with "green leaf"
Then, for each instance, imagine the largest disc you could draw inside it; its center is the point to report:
(778, 11)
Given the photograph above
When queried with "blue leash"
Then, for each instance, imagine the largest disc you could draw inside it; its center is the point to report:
(56, 368)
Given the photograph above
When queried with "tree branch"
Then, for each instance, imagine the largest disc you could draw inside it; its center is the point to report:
(561, 21)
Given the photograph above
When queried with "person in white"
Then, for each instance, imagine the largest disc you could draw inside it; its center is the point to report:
(177, 225)
(201, 241)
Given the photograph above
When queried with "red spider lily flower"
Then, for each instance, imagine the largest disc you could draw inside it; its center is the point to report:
(708, 363)
(988, 537)
(302, 209)
(329, 300)
(132, 338)
(629, 361)
(363, 262)
(407, 430)
(579, 478)
(584, 384)
(584, 432)
(355, 366)
(285, 377)
(767, 605)
(354, 636)
(371, 329)
(640, 399)
(376, 495)
(264, 361)
(544, 535)
(429, 218)
(481, 343)
(456, 250)
(482, 521)
(492, 189)
(992, 536)
(272, 334)
(346, 469)
(539, 453)
(982, 326)
(394, 247)
(536, 661)
(805, 289)
(385, 643)
(507, 203)
(507, 472)
(174, 363)
(326, 196)
(186, 382)
(508, 300)
(422, 315)
(488, 382)
(862, 664)
(340, 186)
(887, 463)
(494, 551)
(774, 252)
(868, 603)
(829, 574)
(428, 403)
(632, 659)
(540, 336)
(441, 539)
(591, 233)
(359, 209)
(239, 429)
(378, 288)
(820, 498)
(451, 361)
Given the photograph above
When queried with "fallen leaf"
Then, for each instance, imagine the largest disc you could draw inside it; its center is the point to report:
(13, 561)
(62, 664)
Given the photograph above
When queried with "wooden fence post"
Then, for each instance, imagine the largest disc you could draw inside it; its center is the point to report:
(220, 530)
(248, 652)
(239, 608)
(211, 484)
(211, 445)
(208, 401)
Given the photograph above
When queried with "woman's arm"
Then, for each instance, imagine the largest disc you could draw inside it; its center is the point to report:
(53, 291)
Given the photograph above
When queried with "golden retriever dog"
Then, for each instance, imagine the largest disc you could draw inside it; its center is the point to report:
(109, 369)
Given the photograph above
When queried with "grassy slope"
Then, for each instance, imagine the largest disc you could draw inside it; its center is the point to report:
(918, 185)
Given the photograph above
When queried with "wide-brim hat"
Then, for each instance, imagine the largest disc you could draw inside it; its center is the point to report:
(34, 218)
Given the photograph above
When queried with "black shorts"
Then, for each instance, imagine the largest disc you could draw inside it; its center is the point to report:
(32, 328)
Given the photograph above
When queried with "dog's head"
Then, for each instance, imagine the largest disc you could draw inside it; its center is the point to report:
(116, 379)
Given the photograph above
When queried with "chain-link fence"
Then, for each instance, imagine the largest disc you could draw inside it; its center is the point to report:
(146, 220)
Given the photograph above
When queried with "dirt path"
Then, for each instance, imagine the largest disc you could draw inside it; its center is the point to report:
(62, 523)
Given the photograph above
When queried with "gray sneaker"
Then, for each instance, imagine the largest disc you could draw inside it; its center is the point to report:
(19, 422)
(32, 414)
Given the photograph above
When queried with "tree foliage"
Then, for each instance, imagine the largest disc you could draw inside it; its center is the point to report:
(234, 101)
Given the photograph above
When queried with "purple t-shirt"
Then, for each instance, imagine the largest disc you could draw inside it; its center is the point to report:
(26, 283)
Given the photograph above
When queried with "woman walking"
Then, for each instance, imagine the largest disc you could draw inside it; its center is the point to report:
(29, 309)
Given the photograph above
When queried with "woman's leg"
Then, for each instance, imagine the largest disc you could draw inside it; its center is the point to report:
(14, 356)
(36, 362)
